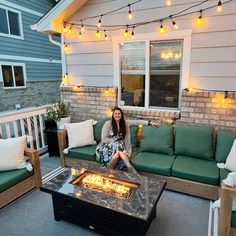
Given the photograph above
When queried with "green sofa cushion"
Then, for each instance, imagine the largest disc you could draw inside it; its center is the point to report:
(133, 135)
(97, 129)
(12, 177)
(194, 169)
(194, 141)
(223, 174)
(224, 142)
(83, 153)
(158, 140)
(233, 219)
(153, 163)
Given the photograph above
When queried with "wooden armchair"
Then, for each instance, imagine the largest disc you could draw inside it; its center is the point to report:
(27, 184)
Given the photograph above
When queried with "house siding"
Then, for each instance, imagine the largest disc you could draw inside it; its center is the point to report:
(42, 59)
(212, 59)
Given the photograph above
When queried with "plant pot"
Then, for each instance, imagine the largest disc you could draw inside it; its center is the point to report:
(62, 121)
(50, 124)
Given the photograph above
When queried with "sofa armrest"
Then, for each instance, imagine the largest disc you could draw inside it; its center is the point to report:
(34, 160)
(62, 143)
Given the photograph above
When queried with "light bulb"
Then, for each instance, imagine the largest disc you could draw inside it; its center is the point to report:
(126, 33)
(80, 35)
(219, 6)
(169, 2)
(174, 25)
(130, 15)
(98, 34)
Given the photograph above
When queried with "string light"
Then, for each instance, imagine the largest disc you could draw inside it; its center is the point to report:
(225, 97)
(80, 35)
(82, 26)
(169, 2)
(199, 19)
(174, 23)
(70, 29)
(66, 48)
(105, 35)
(219, 6)
(183, 12)
(126, 33)
(188, 89)
(161, 29)
(98, 34)
(132, 34)
(130, 15)
(99, 22)
(64, 27)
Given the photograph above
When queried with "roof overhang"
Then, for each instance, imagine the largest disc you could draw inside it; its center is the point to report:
(52, 21)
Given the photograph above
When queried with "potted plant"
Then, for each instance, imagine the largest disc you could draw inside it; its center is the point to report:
(57, 115)
(62, 113)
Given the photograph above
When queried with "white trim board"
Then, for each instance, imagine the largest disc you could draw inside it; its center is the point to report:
(18, 7)
(34, 59)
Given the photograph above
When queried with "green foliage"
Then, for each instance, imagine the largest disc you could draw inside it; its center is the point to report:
(57, 111)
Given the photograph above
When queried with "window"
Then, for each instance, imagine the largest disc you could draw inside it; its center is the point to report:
(10, 23)
(151, 73)
(13, 76)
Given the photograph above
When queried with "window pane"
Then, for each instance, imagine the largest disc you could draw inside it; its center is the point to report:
(19, 76)
(3, 21)
(132, 59)
(7, 76)
(165, 64)
(14, 23)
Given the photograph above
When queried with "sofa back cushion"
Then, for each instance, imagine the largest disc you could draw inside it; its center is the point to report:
(97, 129)
(194, 141)
(158, 140)
(224, 142)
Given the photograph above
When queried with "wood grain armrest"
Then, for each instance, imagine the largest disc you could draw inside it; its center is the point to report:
(62, 143)
(34, 160)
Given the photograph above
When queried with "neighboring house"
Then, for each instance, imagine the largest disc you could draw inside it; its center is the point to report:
(148, 76)
(30, 65)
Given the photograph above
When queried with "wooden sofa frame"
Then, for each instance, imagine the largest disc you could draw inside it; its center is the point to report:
(26, 185)
(176, 184)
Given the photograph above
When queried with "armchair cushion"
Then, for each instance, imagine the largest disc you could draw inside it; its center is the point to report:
(12, 153)
(83, 153)
(12, 177)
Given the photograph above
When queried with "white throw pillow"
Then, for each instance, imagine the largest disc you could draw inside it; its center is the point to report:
(80, 134)
(12, 153)
(231, 158)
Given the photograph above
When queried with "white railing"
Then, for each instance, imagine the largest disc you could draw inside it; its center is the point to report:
(29, 121)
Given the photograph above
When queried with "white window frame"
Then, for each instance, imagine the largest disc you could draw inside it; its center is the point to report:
(184, 35)
(12, 64)
(20, 24)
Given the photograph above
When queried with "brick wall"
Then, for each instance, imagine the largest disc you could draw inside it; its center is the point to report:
(35, 94)
(200, 108)
(207, 108)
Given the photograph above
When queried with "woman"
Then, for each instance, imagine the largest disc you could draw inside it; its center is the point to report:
(115, 149)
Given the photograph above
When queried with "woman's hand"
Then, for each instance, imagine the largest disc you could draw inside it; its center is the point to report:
(154, 124)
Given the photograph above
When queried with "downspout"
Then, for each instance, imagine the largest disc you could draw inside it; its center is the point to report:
(63, 56)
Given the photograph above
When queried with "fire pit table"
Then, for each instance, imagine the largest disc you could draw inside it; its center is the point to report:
(107, 202)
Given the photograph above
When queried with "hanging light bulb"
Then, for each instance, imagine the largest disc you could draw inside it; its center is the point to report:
(66, 48)
(64, 28)
(169, 2)
(161, 29)
(199, 19)
(219, 6)
(130, 15)
(98, 34)
(225, 97)
(99, 22)
(105, 35)
(174, 23)
(126, 33)
(82, 26)
(80, 35)
(132, 34)
(70, 29)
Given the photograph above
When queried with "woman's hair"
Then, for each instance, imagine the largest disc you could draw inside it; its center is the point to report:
(122, 123)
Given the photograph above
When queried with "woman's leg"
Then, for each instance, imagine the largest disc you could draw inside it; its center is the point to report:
(125, 159)
(115, 158)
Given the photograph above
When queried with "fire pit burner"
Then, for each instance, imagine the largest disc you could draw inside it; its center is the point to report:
(101, 183)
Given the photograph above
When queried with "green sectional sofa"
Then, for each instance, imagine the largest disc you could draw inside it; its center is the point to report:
(183, 155)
